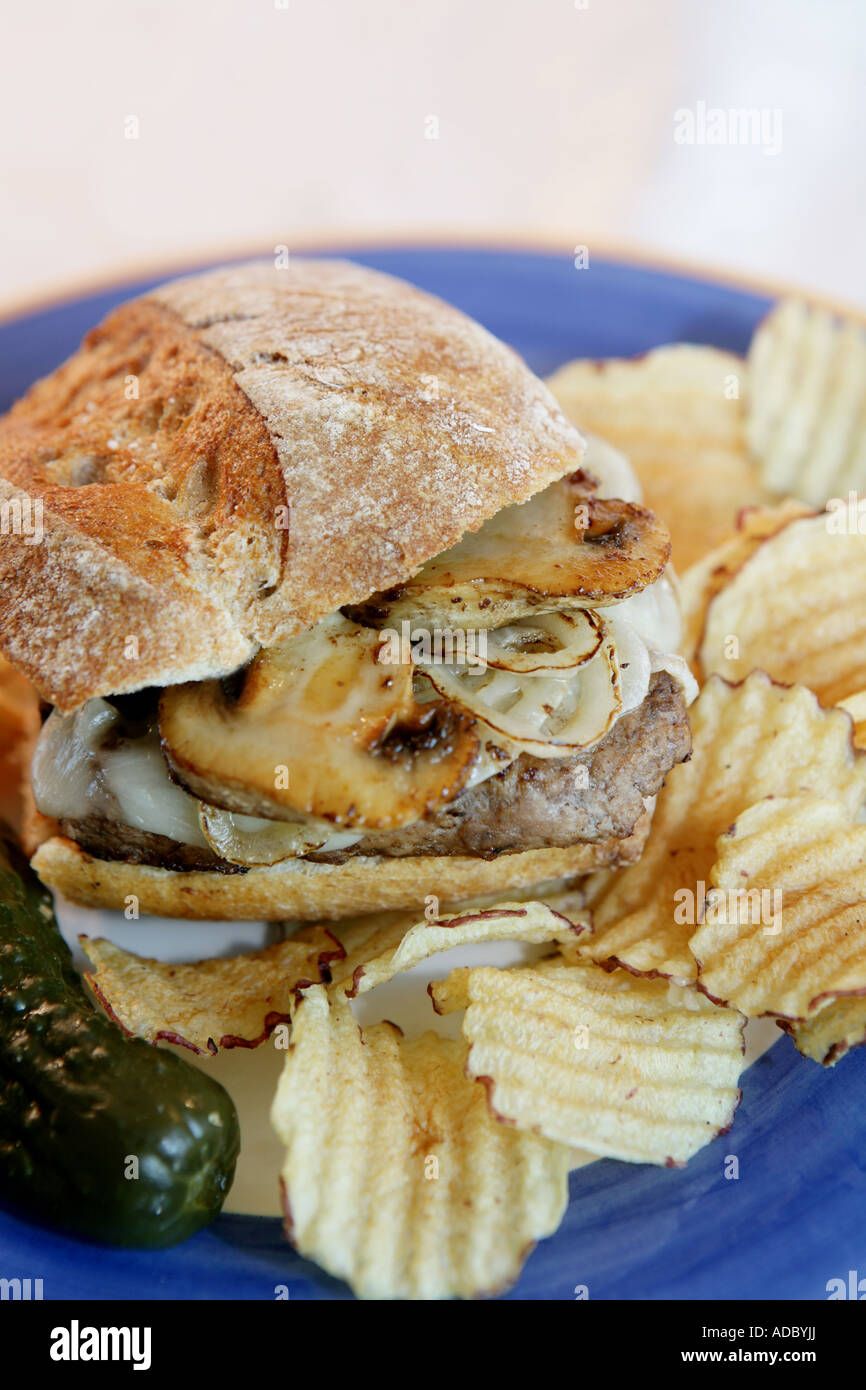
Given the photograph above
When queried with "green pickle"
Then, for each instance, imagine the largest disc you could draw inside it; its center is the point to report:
(83, 1107)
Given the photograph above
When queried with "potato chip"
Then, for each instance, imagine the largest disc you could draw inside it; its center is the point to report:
(622, 1067)
(677, 414)
(396, 1177)
(531, 922)
(569, 900)
(806, 402)
(231, 1001)
(18, 698)
(378, 934)
(797, 609)
(830, 1033)
(785, 925)
(19, 726)
(368, 937)
(856, 707)
(700, 584)
(753, 740)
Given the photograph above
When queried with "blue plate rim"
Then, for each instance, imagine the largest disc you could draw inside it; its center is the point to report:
(637, 256)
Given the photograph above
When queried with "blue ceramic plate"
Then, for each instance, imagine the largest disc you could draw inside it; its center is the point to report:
(795, 1217)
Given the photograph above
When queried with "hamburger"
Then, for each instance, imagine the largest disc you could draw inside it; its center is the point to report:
(329, 606)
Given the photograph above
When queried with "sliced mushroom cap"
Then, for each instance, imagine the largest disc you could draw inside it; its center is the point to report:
(563, 548)
(319, 726)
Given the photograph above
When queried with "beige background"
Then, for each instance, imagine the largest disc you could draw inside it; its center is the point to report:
(263, 123)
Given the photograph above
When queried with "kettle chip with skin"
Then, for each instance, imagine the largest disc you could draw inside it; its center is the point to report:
(396, 1177)
(856, 707)
(806, 402)
(228, 1001)
(750, 741)
(826, 1036)
(19, 727)
(796, 608)
(709, 575)
(807, 948)
(677, 414)
(532, 923)
(380, 945)
(620, 1066)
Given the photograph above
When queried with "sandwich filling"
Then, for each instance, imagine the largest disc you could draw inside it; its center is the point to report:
(523, 690)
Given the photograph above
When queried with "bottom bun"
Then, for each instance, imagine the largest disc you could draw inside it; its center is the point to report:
(311, 892)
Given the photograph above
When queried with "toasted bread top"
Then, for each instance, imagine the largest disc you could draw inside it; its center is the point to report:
(236, 454)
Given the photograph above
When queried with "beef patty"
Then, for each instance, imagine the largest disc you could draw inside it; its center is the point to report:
(535, 803)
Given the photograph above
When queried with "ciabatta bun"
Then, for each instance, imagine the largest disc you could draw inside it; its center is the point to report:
(235, 455)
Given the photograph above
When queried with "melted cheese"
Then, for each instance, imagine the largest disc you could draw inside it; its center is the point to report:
(75, 774)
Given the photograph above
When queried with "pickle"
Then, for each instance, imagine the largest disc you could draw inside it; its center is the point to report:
(101, 1135)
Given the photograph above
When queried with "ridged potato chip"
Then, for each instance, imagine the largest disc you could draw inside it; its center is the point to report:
(18, 699)
(752, 740)
(796, 608)
(396, 1177)
(231, 1001)
(830, 1033)
(856, 707)
(806, 402)
(531, 922)
(622, 1067)
(19, 726)
(368, 937)
(677, 414)
(700, 584)
(785, 928)
(374, 934)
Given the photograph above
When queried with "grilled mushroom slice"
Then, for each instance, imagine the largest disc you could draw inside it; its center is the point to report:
(319, 726)
(563, 548)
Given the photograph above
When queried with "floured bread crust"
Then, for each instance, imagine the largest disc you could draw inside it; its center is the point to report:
(239, 453)
(311, 892)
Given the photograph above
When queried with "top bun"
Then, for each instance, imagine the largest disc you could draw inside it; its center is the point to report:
(234, 455)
